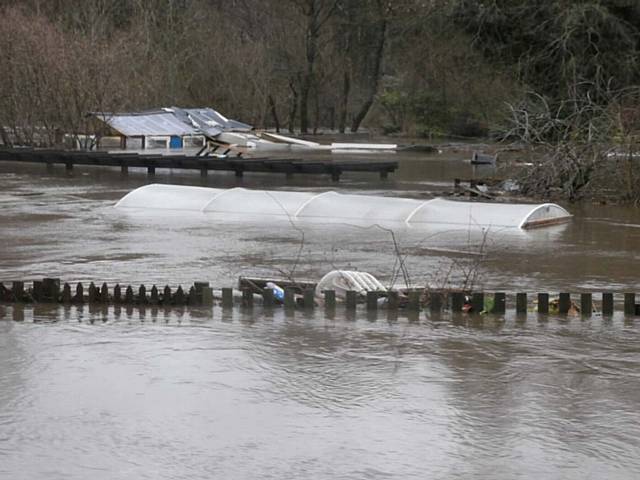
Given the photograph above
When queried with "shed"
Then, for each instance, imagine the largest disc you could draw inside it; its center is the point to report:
(172, 127)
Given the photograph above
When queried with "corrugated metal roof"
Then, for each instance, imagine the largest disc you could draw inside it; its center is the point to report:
(132, 125)
(209, 120)
(172, 121)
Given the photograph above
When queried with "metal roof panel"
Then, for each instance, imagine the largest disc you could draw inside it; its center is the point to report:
(171, 121)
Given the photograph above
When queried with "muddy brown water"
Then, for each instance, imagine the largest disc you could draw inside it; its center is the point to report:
(206, 394)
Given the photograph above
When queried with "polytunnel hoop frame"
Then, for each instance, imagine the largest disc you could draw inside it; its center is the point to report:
(218, 195)
(294, 204)
(307, 202)
(524, 224)
(416, 210)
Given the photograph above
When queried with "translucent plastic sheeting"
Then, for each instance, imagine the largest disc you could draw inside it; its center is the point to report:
(331, 206)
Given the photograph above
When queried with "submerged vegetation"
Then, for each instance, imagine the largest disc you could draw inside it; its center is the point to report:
(557, 76)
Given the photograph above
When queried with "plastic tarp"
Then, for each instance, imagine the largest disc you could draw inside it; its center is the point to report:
(341, 281)
(336, 207)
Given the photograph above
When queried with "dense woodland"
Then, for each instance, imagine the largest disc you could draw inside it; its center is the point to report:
(538, 71)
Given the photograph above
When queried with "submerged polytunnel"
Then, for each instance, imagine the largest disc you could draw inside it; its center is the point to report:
(338, 207)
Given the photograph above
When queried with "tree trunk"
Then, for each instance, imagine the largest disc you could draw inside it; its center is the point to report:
(316, 110)
(274, 113)
(374, 76)
(344, 105)
(311, 44)
(293, 109)
(5, 138)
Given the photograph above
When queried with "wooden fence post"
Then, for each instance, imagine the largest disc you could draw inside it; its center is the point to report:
(457, 301)
(351, 300)
(79, 296)
(543, 303)
(51, 289)
(586, 304)
(267, 297)
(66, 293)
(117, 294)
(128, 295)
(308, 299)
(414, 301)
(104, 293)
(630, 304)
(93, 293)
(435, 302)
(247, 298)
(521, 303)
(227, 298)
(17, 288)
(499, 303)
(37, 290)
(207, 296)
(477, 302)
(393, 300)
(372, 301)
(142, 295)
(289, 298)
(607, 303)
(564, 303)
(330, 301)
(178, 298)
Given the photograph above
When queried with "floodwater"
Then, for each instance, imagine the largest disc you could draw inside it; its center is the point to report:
(167, 394)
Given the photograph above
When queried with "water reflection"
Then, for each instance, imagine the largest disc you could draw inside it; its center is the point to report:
(89, 392)
(363, 397)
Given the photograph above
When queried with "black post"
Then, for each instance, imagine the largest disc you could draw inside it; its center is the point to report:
(289, 298)
(372, 301)
(227, 298)
(351, 300)
(457, 301)
(607, 303)
(586, 304)
(630, 304)
(392, 300)
(267, 297)
(543, 303)
(247, 298)
(499, 303)
(564, 303)
(477, 302)
(521, 302)
(414, 301)
(330, 300)
(309, 300)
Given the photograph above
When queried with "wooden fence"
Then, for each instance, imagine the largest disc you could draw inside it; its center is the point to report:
(200, 294)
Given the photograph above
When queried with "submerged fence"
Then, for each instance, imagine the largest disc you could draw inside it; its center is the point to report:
(201, 294)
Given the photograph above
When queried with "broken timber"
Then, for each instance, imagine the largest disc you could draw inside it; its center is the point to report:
(239, 165)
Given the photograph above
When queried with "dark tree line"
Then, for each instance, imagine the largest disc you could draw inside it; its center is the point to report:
(561, 49)
(411, 66)
(579, 61)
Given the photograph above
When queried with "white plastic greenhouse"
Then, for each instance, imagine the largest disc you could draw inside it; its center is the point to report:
(337, 207)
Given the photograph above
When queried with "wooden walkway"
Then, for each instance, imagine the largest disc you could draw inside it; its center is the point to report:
(238, 165)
